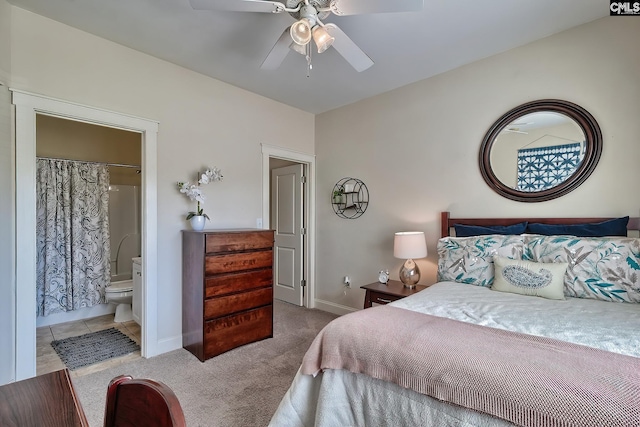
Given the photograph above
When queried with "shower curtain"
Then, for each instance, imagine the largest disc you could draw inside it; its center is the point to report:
(73, 251)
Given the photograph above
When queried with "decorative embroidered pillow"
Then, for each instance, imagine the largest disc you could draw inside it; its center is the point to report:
(538, 279)
(603, 268)
(470, 259)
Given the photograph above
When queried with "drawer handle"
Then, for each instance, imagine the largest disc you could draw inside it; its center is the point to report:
(383, 300)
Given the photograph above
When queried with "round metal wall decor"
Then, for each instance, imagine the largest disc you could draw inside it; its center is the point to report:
(350, 198)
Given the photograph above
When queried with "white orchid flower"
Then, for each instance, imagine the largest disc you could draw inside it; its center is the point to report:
(193, 191)
(210, 175)
(197, 195)
(204, 179)
(215, 174)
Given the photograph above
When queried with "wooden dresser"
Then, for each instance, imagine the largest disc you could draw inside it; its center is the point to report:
(227, 289)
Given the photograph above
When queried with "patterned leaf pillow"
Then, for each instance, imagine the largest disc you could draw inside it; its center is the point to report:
(603, 268)
(470, 259)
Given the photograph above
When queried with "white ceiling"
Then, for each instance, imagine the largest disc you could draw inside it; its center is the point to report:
(406, 47)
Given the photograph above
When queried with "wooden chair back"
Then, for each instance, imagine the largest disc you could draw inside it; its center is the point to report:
(141, 403)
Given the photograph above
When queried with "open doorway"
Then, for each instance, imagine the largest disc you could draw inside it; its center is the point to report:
(288, 208)
(27, 107)
(89, 237)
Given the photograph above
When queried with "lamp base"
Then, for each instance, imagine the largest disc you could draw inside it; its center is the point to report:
(409, 274)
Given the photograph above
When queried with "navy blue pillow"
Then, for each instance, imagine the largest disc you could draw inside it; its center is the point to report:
(612, 227)
(477, 230)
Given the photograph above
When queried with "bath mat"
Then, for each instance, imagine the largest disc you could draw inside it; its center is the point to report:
(93, 347)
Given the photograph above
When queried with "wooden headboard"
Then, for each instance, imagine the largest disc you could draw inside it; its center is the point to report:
(446, 222)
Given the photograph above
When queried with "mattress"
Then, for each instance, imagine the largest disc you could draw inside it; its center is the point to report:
(341, 398)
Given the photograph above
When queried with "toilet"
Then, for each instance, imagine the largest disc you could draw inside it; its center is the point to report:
(127, 295)
(121, 294)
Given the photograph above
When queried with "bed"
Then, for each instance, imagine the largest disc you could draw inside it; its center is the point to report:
(464, 352)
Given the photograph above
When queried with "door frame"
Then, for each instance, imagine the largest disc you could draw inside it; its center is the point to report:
(270, 151)
(27, 105)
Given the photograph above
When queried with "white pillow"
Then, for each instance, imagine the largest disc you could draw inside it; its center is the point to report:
(538, 279)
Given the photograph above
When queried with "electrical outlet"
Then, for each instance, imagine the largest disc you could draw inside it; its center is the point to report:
(259, 223)
(347, 282)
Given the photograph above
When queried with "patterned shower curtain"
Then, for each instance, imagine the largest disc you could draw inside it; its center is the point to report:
(73, 252)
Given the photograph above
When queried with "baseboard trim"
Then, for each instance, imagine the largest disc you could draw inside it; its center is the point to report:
(166, 345)
(334, 308)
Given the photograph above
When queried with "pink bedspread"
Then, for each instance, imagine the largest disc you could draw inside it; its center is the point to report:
(524, 379)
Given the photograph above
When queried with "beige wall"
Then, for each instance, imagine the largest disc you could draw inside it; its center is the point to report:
(5, 43)
(68, 139)
(202, 122)
(416, 148)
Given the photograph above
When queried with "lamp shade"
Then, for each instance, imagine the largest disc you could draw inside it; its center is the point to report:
(300, 31)
(323, 39)
(409, 245)
(301, 49)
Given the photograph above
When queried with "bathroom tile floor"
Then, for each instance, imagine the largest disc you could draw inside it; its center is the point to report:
(47, 359)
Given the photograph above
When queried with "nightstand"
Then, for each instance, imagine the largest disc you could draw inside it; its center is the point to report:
(393, 290)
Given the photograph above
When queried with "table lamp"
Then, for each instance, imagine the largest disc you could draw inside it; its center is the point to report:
(409, 245)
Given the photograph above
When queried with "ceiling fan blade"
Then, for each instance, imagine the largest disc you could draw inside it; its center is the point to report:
(239, 5)
(348, 49)
(357, 7)
(278, 52)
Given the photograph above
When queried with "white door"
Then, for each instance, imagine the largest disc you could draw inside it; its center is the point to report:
(287, 221)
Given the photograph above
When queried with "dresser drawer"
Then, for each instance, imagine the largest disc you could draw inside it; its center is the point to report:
(234, 242)
(237, 282)
(217, 264)
(223, 306)
(229, 332)
(380, 298)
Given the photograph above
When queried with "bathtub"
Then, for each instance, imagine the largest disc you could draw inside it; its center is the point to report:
(81, 313)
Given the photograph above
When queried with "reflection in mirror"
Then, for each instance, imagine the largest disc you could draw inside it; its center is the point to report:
(537, 151)
(540, 150)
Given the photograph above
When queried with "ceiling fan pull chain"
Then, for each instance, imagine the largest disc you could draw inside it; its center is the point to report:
(308, 57)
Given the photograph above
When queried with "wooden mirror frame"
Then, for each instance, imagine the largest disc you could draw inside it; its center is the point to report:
(593, 149)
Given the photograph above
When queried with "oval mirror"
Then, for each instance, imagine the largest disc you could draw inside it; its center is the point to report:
(540, 150)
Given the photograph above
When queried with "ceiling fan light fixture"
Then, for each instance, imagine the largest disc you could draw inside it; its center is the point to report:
(301, 32)
(302, 50)
(323, 39)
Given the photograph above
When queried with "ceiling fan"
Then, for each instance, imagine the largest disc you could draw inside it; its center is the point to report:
(309, 15)
(515, 128)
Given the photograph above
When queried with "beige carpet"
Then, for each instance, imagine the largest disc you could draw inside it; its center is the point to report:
(240, 388)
